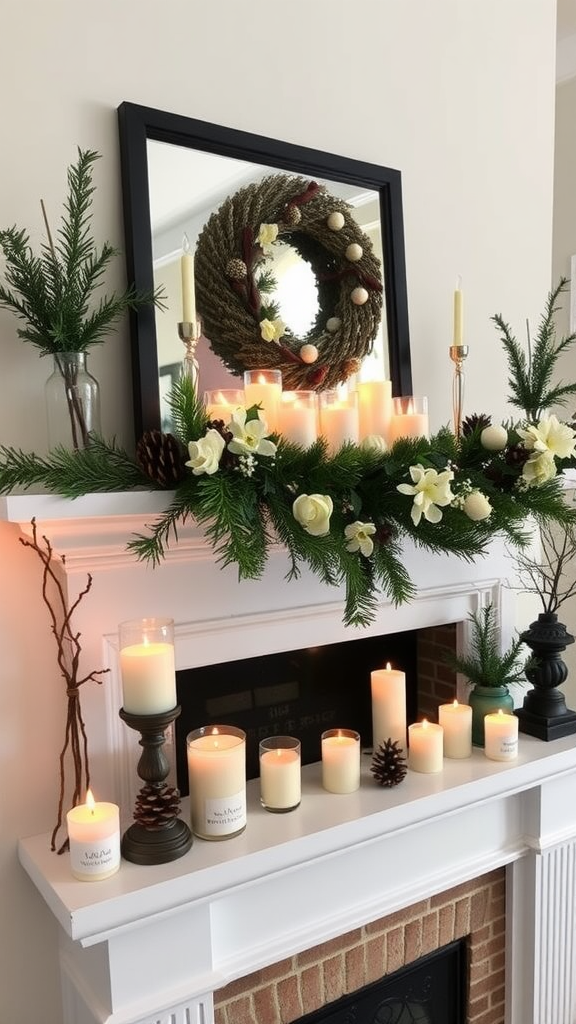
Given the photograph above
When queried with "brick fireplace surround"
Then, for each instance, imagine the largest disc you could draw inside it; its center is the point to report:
(358, 883)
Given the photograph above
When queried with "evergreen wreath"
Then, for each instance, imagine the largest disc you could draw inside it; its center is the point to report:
(233, 286)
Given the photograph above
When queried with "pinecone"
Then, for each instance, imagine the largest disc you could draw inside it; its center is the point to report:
(516, 455)
(477, 421)
(236, 270)
(157, 806)
(160, 456)
(388, 763)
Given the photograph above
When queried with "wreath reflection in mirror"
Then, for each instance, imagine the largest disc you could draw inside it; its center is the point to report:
(235, 286)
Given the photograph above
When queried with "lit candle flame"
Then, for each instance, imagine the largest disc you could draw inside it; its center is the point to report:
(388, 666)
(216, 734)
(455, 704)
(410, 409)
(424, 723)
(90, 802)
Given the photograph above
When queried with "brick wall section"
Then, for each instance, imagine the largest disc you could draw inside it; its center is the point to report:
(436, 682)
(310, 980)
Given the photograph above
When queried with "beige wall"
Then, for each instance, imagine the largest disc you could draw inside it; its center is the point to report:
(444, 91)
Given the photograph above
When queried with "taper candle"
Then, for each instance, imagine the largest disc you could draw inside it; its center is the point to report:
(458, 314)
(188, 288)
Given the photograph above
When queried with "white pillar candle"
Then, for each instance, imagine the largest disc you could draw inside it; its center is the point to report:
(458, 315)
(280, 774)
(94, 837)
(456, 720)
(339, 421)
(375, 408)
(425, 743)
(217, 777)
(410, 418)
(298, 417)
(340, 760)
(388, 688)
(221, 403)
(264, 388)
(501, 736)
(147, 666)
(188, 289)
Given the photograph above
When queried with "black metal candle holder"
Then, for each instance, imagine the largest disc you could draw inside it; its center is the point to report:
(158, 835)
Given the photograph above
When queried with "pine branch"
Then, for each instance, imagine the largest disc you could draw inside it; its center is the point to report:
(187, 411)
(101, 467)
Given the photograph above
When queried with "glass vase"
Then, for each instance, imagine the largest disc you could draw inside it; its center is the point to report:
(72, 402)
(485, 700)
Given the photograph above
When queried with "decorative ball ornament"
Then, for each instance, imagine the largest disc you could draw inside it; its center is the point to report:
(359, 296)
(354, 252)
(336, 221)
(233, 304)
(494, 438)
(309, 353)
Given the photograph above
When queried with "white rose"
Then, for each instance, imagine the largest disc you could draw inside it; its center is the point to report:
(313, 512)
(494, 439)
(374, 443)
(267, 331)
(477, 506)
(267, 234)
(205, 453)
(539, 469)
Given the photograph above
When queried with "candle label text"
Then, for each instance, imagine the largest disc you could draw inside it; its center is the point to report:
(223, 815)
(95, 858)
(508, 747)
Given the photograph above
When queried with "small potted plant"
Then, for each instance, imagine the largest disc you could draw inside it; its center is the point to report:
(489, 671)
(54, 294)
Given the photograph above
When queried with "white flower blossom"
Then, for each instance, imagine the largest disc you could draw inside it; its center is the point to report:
(249, 438)
(539, 468)
(267, 235)
(476, 506)
(431, 490)
(551, 437)
(272, 330)
(205, 453)
(359, 536)
(374, 443)
(313, 512)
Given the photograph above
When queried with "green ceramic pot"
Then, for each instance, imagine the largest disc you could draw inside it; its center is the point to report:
(484, 700)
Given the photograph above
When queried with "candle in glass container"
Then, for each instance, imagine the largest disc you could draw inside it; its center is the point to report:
(222, 402)
(388, 689)
(297, 417)
(147, 666)
(425, 746)
(456, 720)
(280, 783)
(188, 290)
(264, 388)
(410, 418)
(339, 419)
(340, 760)
(94, 838)
(375, 408)
(217, 776)
(501, 736)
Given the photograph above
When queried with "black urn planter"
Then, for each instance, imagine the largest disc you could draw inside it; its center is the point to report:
(544, 713)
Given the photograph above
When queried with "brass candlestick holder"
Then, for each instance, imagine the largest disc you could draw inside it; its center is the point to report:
(157, 836)
(189, 333)
(458, 354)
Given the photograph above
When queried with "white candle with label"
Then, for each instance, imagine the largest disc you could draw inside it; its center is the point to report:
(217, 777)
(280, 773)
(339, 421)
(94, 838)
(388, 689)
(147, 666)
(298, 417)
(264, 388)
(340, 760)
(425, 747)
(188, 288)
(375, 408)
(456, 720)
(501, 736)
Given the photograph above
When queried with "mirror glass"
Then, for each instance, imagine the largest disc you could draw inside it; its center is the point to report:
(176, 173)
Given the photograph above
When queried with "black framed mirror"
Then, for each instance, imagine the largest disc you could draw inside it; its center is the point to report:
(140, 127)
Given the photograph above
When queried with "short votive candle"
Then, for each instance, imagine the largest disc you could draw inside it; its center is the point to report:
(221, 403)
(264, 388)
(340, 760)
(410, 418)
(456, 720)
(280, 773)
(501, 736)
(298, 417)
(339, 422)
(94, 839)
(425, 747)
(147, 666)
(217, 777)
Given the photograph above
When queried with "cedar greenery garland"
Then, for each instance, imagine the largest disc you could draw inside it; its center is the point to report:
(233, 285)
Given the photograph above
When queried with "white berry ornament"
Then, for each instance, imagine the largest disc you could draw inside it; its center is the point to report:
(354, 252)
(308, 353)
(359, 296)
(494, 438)
(336, 220)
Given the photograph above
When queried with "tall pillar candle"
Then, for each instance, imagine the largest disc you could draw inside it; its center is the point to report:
(425, 747)
(339, 422)
(217, 777)
(388, 689)
(94, 839)
(340, 760)
(280, 782)
(501, 736)
(456, 720)
(147, 666)
(375, 408)
(264, 388)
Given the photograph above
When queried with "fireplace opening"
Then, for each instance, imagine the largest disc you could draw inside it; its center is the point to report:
(296, 693)
(432, 990)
